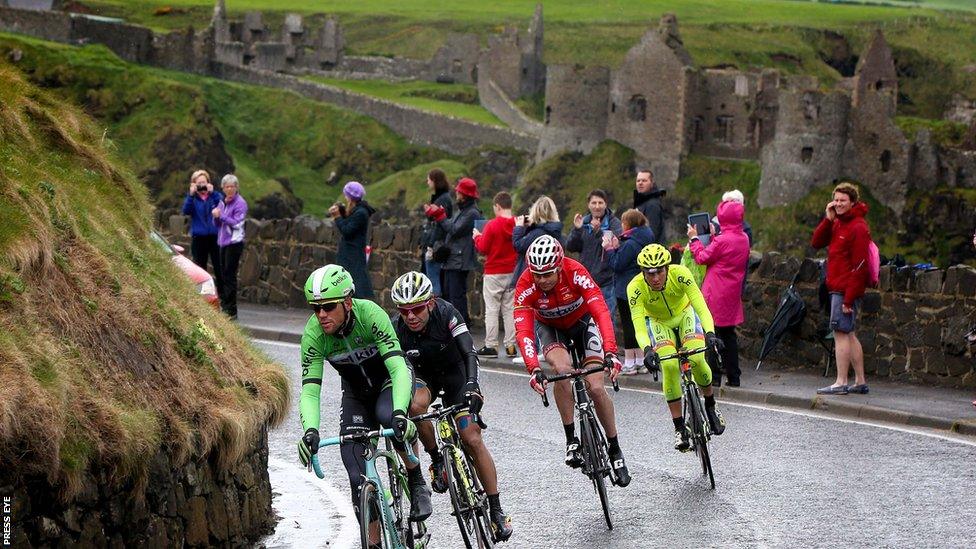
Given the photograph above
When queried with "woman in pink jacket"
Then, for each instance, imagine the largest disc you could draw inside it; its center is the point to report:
(727, 257)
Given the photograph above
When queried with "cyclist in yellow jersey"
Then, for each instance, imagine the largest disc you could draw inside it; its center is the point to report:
(666, 305)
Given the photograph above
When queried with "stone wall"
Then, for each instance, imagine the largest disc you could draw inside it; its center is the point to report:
(423, 128)
(491, 97)
(130, 42)
(912, 325)
(576, 109)
(195, 504)
(55, 26)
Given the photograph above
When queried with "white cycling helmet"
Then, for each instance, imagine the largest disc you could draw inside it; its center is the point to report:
(544, 255)
(412, 287)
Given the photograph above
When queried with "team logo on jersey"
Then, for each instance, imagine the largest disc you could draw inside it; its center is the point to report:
(583, 281)
(529, 347)
(683, 280)
(525, 294)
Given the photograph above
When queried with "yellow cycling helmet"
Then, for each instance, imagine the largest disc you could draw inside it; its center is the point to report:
(654, 256)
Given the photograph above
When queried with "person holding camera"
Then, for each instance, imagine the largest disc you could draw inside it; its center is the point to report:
(229, 216)
(543, 219)
(200, 201)
(352, 220)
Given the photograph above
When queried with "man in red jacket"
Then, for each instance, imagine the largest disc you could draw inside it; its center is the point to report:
(495, 243)
(845, 233)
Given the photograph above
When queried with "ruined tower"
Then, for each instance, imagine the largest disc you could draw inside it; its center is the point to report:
(875, 72)
(576, 109)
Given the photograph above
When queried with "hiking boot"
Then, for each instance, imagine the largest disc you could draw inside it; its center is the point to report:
(621, 476)
(488, 352)
(438, 477)
(715, 421)
(681, 442)
(501, 525)
(573, 457)
(420, 507)
(511, 351)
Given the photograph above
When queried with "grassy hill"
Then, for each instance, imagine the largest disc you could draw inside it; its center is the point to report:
(107, 355)
(796, 36)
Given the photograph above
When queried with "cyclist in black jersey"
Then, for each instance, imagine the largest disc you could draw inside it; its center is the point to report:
(447, 361)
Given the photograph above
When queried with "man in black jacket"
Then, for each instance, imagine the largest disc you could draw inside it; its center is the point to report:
(647, 200)
(458, 237)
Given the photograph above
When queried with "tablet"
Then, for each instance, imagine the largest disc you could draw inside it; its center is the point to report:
(480, 224)
(701, 223)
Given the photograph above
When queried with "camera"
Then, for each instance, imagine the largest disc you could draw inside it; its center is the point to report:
(201, 188)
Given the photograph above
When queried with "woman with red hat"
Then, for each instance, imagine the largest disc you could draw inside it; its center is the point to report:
(458, 231)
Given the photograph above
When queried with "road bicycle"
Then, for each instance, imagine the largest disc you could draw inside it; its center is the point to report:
(383, 508)
(693, 409)
(593, 443)
(471, 508)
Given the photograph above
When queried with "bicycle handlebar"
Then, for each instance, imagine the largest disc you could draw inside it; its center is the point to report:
(575, 374)
(682, 353)
(449, 410)
(358, 437)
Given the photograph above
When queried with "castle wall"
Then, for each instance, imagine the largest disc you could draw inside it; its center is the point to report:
(502, 63)
(385, 67)
(46, 25)
(178, 50)
(723, 123)
(270, 56)
(456, 60)
(491, 97)
(877, 152)
(576, 109)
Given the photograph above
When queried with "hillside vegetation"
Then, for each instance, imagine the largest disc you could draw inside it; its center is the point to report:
(796, 36)
(107, 354)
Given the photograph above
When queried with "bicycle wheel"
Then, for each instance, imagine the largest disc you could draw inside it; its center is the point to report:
(594, 459)
(698, 431)
(369, 513)
(459, 500)
(482, 511)
(397, 487)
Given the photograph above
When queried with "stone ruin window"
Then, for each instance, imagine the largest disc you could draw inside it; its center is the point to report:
(723, 129)
(698, 129)
(879, 85)
(755, 132)
(548, 113)
(637, 108)
(885, 161)
(811, 110)
(806, 155)
(456, 66)
(613, 106)
(741, 85)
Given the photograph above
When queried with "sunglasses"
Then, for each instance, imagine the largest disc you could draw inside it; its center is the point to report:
(416, 309)
(327, 307)
(653, 271)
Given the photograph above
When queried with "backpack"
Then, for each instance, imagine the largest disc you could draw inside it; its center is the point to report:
(874, 264)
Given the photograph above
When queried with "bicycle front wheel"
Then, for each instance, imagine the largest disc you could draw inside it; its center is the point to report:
(371, 526)
(459, 499)
(592, 444)
(482, 511)
(699, 433)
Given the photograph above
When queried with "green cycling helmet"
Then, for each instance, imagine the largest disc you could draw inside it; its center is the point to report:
(654, 256)
(329, 283)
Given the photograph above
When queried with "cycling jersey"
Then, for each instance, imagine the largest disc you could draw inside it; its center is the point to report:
(665, 304)
(445, 346)
(366, 355)
(574, 295)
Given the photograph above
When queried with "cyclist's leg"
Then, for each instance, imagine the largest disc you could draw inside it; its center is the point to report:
(554, 350)
(355, 415)
(663, 342)
(384, 413)
(590, 345)
(420, 507)
(693, 337)
(471, 433)
(422, 397)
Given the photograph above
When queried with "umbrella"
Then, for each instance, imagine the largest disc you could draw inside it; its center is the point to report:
(788, 315)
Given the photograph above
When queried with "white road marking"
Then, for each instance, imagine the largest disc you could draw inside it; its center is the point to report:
(959, 439)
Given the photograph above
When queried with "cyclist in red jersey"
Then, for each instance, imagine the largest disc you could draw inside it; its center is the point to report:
(557, 301)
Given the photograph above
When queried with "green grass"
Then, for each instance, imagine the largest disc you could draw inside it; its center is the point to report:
(944, 132)
(409, 187)
(458, 100)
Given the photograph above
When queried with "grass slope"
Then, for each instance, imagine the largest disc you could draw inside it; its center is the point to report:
(107, 355)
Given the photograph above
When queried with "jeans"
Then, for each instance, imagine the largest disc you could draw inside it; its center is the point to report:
(433, 272)
(456, 291)
(609, 299)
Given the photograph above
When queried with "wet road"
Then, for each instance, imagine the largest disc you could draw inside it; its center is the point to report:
(783, 478)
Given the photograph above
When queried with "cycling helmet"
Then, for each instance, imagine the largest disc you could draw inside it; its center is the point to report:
(412, 287)
(329, 283)
(544, 255)
(654, 256)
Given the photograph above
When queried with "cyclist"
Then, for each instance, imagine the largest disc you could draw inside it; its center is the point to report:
(447, 361)
(664, 302)
(355, 336)
(557, 301)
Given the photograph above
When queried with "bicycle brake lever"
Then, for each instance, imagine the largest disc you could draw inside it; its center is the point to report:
(545, 400)
(411, 457)
(616, 387)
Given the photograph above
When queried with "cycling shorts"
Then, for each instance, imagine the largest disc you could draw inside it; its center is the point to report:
(451, 382)
(686, 328)
(584, 335)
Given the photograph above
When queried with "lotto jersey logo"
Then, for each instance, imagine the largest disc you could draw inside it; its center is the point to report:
(583, 281)
(529, 347)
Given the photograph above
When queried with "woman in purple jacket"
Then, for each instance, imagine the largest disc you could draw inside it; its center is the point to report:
(229, 217)
(726, 256)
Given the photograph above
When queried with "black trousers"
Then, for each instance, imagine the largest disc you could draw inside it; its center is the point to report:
(230, 259)
(454, 285)
(203, 248)
(730, 356)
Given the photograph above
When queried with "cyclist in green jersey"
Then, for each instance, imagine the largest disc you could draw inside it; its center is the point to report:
(355, 336)
(664, 303)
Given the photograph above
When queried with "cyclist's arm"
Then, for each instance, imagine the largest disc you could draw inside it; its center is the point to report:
(635, 297)
(698, 303)
(312, 361)
(465, 344)
(597, 306)
(388, 345)
(525, 321)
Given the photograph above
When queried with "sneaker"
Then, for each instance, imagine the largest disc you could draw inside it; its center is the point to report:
(681, 442)
(573, 457)
(621, 476)
(438, 477)
(628, 371)
(715, 420)
(518, 360)
(833, 390)
(511, 351)
(501, 525)
(420, 507)
(488, 352)
(860, 389)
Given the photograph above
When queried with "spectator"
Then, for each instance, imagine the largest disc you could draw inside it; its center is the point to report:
(229, 218)
(845, 233)
(542, 219)
(590, 235)
(352, 220)
(727, 257)
(496, 244)
(647, 199)
(432, 237)
(623, 261)
(458, 231)
(199, 203)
